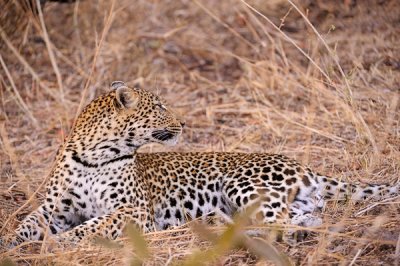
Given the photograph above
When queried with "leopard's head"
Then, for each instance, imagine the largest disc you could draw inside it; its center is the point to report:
(122, 120)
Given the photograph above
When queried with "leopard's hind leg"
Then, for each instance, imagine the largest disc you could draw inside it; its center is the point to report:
(264, 205)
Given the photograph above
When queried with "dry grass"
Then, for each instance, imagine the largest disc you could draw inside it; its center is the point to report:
(242, 85)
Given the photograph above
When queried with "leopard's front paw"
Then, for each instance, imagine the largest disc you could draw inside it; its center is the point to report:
(9, 242)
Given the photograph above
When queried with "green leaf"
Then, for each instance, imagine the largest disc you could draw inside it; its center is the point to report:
(139, 244)
(7, 262)
(233, 237)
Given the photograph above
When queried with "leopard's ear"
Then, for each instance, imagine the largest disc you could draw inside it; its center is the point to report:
(126, 98)
(116, 84)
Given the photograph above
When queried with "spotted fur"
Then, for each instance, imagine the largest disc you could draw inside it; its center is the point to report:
(100, 183)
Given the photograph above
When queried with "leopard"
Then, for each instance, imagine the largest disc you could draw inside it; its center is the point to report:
(100, 182)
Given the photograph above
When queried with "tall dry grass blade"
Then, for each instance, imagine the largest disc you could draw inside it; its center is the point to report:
(356, 114)
(26, 65)
(331, 53)
(20, 101)
(77, 32)
(50, 51)
(289, 40)
(108, 23)
(216, 18)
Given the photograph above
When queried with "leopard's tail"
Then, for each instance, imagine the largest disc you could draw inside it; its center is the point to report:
(331, 188)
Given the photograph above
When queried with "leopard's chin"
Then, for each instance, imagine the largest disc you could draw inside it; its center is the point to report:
(172, 141)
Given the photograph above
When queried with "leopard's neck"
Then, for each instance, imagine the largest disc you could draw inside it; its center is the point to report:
(70, 163)
(100, 162)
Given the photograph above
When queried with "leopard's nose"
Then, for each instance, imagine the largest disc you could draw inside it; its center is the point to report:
(183, 123)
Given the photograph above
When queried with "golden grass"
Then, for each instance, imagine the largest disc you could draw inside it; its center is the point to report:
(314, 80)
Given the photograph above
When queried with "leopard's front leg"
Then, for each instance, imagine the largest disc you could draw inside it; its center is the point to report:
(41, 222)
(111, 225)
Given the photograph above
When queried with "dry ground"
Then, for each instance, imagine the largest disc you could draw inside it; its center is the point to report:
(328, 97)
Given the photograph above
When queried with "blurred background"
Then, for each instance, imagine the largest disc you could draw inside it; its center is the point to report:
(315, 80)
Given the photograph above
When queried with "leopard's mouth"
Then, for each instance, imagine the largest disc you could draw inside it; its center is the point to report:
(164, 135)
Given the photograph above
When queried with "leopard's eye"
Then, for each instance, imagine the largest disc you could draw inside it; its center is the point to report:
(160, 107)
